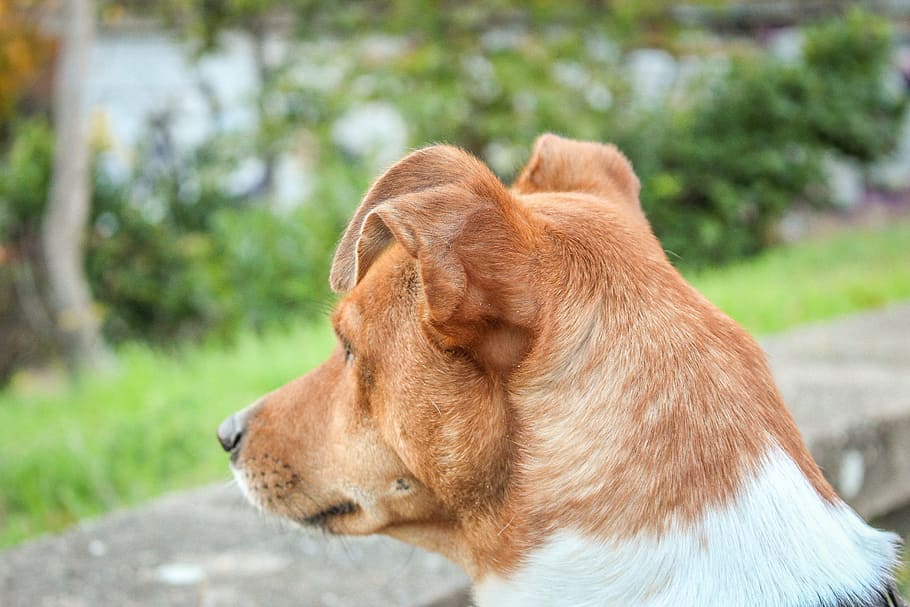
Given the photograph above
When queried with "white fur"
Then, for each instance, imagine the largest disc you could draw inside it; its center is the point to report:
(240, 477)
(778, 544)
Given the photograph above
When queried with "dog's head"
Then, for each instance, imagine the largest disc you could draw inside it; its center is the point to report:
(498, 350)
(409, 426)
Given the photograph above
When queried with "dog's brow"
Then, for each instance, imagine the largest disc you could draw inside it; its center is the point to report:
(352, 314)
(346, 318)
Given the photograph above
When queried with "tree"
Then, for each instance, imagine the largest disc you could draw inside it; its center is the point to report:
(64, 223)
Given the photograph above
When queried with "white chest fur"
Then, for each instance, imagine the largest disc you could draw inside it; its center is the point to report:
(777, 544)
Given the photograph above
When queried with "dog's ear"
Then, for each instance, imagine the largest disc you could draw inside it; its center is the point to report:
(565, 165)
(470, 237)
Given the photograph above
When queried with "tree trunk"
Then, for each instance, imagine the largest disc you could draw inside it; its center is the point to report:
(68, 207)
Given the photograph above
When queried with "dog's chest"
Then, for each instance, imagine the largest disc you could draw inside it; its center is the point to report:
(777, 544)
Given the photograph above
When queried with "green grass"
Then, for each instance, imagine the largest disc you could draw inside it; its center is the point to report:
(149, 428)
(903, 576)
(105, 442)
(814, 280)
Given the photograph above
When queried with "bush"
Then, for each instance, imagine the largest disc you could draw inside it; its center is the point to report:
(24, 180)
(718, 175)
(171, 254)
(174, 255)
(851, 110)
(719, 163)
(724, 171)
(151, 256)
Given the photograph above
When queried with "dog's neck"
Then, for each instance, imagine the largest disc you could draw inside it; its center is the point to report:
(776, 544)
(679, 492)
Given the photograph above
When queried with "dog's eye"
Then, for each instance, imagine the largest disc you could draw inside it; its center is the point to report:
(348, 350)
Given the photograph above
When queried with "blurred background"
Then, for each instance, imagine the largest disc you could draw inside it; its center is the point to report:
(174, 176)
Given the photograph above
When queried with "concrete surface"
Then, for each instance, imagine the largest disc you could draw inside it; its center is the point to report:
(847, 382)
(207, 548)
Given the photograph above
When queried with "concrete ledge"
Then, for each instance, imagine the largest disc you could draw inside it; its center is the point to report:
(848, 386)
(847, 383)
(208, 548)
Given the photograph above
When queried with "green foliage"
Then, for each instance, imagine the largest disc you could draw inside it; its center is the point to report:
(25, 178)
(494, 99)
(178, 256)
(719, 164)
(151, 257)
(80, 450)
(851, 111)
(268, 267)
(852, 45)
(171, 253)
(718, 174)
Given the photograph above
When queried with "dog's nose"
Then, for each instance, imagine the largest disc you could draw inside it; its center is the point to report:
(230, 432)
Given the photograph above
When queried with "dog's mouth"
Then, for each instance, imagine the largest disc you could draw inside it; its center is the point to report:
(324, 516)
(281, 495)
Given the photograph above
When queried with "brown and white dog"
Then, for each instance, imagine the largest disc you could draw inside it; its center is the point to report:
(523, 383)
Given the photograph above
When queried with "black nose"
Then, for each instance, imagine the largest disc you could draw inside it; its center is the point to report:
(230, 432)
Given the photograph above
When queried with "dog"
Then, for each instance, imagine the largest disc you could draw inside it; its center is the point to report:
(525, 384)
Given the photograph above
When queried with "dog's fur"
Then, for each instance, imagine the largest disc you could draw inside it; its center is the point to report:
(525, 384)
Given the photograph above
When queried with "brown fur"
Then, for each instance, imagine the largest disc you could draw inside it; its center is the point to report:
(522, 360)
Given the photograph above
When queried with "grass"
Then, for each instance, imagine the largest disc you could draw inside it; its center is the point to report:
(80, 450)
(813, 281)
(149, 428)
(903, 576)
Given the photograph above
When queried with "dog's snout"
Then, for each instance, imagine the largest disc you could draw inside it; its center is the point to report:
(230, 432)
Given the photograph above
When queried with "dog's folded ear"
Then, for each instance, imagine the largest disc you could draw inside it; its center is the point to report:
(471, 239)
(566, 165)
